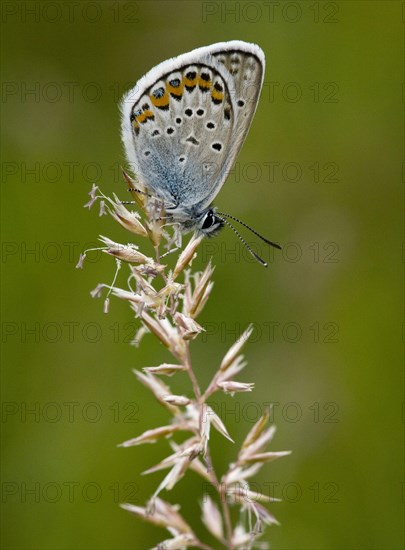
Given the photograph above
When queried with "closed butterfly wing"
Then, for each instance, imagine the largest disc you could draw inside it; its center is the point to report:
(184, 122)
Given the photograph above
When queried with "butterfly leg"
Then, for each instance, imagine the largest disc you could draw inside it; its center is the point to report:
(175, 239)
(169, 252)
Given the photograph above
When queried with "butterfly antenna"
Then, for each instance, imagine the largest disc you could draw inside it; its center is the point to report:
(271, 243)
(258, 258)
(134, 190)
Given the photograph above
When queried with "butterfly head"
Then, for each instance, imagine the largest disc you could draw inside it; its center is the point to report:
(205, 221)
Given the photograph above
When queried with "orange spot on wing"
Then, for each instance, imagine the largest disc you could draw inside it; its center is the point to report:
(160, 102)
(217, 96)
(204, 84)
(190, 82)
(145, 116)
(178, 92)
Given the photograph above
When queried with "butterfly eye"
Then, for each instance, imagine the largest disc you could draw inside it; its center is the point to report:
(209, 221)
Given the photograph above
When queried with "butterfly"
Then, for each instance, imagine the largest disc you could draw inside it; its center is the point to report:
(183, 125)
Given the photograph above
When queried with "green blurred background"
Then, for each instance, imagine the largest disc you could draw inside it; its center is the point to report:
(321, 172)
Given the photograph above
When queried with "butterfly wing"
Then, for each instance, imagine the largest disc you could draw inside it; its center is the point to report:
(185, 121)
(245, 64)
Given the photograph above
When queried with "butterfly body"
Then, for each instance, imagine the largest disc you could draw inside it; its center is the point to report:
(183, 125)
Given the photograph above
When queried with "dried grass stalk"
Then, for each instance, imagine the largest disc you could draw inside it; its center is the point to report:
(168, 309)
